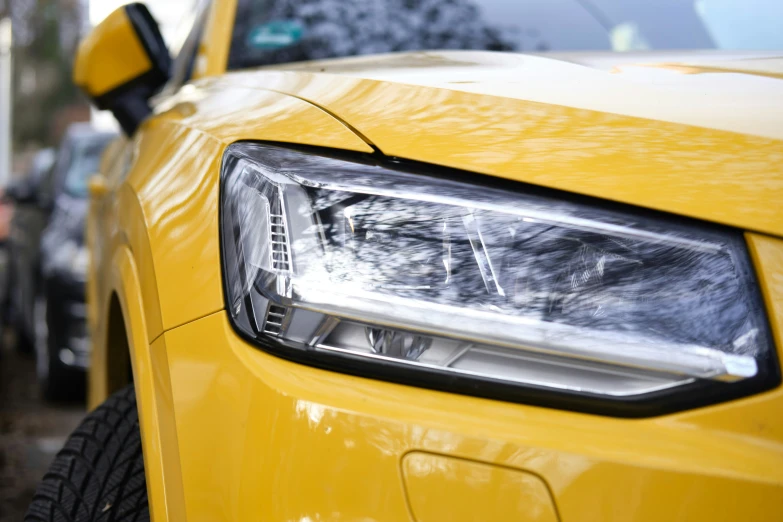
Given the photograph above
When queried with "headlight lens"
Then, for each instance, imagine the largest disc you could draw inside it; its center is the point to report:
(355, 262)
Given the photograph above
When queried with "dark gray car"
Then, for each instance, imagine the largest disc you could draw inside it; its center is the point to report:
(63, 346)
(52, 267)
(29, 219)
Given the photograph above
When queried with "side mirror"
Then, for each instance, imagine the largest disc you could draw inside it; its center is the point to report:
(122, 63)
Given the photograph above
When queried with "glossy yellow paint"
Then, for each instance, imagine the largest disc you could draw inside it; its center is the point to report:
(168, 221)
(732, 92)
(110, 56)
(260, 437)
(716, 175)
(214, 47)
(232, 433)
(476, 492)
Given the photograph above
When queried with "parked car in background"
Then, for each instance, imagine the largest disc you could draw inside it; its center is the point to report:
(31, 212)
(454, 285)
(6, 213)
(62, 344)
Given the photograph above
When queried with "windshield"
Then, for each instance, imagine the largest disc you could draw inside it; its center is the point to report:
(84, 162)
(279, 31)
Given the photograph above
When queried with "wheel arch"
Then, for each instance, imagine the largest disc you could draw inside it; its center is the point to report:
(128, 355)
(118, 358)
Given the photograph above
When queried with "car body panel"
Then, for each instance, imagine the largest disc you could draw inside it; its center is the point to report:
(761, 63)
(475, 491)
(285, 442)
(154, 206)
(162, 270)
(218, 414)
(154, 417)
(184, 268)
(733, 91)
(233, 433)
(715, 175)
(229, 113)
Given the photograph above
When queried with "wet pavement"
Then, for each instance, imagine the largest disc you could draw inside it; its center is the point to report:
(31, 431)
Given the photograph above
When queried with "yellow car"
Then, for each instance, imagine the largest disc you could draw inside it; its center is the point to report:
(459, 285)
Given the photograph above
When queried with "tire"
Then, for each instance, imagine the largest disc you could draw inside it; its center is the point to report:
(99, 473)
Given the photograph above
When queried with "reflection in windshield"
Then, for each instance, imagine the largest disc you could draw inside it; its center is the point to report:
(757, 25)
(280, 31)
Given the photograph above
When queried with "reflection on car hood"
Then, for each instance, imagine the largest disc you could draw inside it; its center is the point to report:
(697, 135)
(732, 91)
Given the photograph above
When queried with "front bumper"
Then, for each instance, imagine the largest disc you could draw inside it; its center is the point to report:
(66, 320)
(262, 438)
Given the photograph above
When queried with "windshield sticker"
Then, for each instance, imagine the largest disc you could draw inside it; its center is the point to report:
(275, 35)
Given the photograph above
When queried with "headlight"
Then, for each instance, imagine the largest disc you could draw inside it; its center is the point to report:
(421, 279)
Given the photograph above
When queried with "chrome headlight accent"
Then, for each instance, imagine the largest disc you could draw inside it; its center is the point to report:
(350, 261)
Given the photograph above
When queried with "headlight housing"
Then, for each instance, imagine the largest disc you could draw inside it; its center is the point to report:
(368, 269)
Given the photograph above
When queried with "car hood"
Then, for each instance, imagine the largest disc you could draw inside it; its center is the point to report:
(732, 91)
(697, 134)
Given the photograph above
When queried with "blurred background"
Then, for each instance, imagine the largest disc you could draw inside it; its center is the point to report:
(50, 143)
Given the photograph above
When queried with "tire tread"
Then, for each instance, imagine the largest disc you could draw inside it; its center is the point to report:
(99, 473)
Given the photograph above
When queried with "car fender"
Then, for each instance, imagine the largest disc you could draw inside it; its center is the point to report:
(153, 391)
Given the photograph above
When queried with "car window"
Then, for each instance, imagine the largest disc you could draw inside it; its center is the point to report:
(279, 31)
(85, 159)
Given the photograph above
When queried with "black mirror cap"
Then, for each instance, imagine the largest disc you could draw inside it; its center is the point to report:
(130, 102)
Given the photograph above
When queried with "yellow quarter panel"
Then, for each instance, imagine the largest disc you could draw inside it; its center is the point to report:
(441, 488)
(110, 56)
